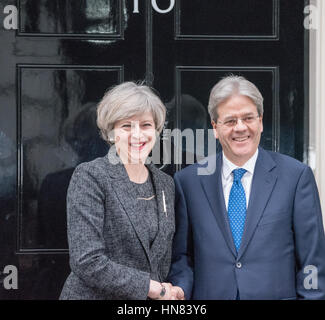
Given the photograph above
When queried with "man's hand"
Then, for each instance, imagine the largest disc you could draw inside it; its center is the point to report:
(177, 293)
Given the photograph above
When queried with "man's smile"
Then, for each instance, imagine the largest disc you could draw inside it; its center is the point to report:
(241, 139)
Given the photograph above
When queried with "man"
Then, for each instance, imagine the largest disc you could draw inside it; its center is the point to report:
(251, 227)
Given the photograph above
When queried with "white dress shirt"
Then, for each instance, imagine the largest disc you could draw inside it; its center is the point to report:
(228, 178)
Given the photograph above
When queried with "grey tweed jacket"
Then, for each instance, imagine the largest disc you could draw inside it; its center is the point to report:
(109, 249)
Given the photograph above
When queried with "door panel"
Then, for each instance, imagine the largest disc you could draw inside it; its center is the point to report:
(253, 20)
(57, 130)
(198, 81)
(71, 18)
(197, 55)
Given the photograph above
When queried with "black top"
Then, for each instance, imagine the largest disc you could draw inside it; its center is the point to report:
(145, 194)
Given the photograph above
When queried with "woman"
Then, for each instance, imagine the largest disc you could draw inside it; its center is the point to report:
(120, 209)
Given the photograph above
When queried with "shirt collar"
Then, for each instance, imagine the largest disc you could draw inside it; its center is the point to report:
(228, 166)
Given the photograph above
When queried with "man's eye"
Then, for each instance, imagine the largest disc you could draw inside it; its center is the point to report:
(126, 126)
(249, 119)
(147, 125)
(230, 122)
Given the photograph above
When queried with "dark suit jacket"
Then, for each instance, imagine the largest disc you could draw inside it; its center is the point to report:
(283, 233)
(110, 256)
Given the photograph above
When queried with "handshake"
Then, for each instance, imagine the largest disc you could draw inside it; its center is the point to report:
(165, 291)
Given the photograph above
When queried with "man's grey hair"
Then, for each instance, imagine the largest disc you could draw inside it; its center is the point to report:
(231, 86)
(126, 100)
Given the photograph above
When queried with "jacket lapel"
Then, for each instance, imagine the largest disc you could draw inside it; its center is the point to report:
(264, 180)
(120, 185)
(212, 186)
(165, 215)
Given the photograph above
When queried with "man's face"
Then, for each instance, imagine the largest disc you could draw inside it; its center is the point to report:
(239, 141)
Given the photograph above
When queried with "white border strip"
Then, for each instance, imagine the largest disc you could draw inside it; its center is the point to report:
(317, 101)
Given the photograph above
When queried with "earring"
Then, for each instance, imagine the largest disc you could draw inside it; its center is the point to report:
(111, 140)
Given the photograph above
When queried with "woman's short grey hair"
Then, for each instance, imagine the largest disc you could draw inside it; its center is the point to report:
(124, 101)
(232, 86)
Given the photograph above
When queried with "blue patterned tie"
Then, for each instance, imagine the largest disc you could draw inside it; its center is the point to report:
(237, 207)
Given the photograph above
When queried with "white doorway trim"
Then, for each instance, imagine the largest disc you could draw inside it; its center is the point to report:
(317, 98)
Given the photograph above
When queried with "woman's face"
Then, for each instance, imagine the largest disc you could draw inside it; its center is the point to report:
(135, 137)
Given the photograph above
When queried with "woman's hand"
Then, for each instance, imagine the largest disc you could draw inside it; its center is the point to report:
(156, 288)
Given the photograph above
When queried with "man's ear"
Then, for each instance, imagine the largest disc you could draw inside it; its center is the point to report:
(214, 126)
(261, 119)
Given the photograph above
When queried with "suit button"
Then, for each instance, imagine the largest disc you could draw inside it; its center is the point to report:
(238, 265)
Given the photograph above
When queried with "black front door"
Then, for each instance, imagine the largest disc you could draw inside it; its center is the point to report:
(66, 54)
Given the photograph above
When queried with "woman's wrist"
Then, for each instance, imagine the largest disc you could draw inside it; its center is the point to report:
(156, 290)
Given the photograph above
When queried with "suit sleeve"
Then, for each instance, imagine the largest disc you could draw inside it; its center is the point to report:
(88, 258)
(309, 239)
(181, 272)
